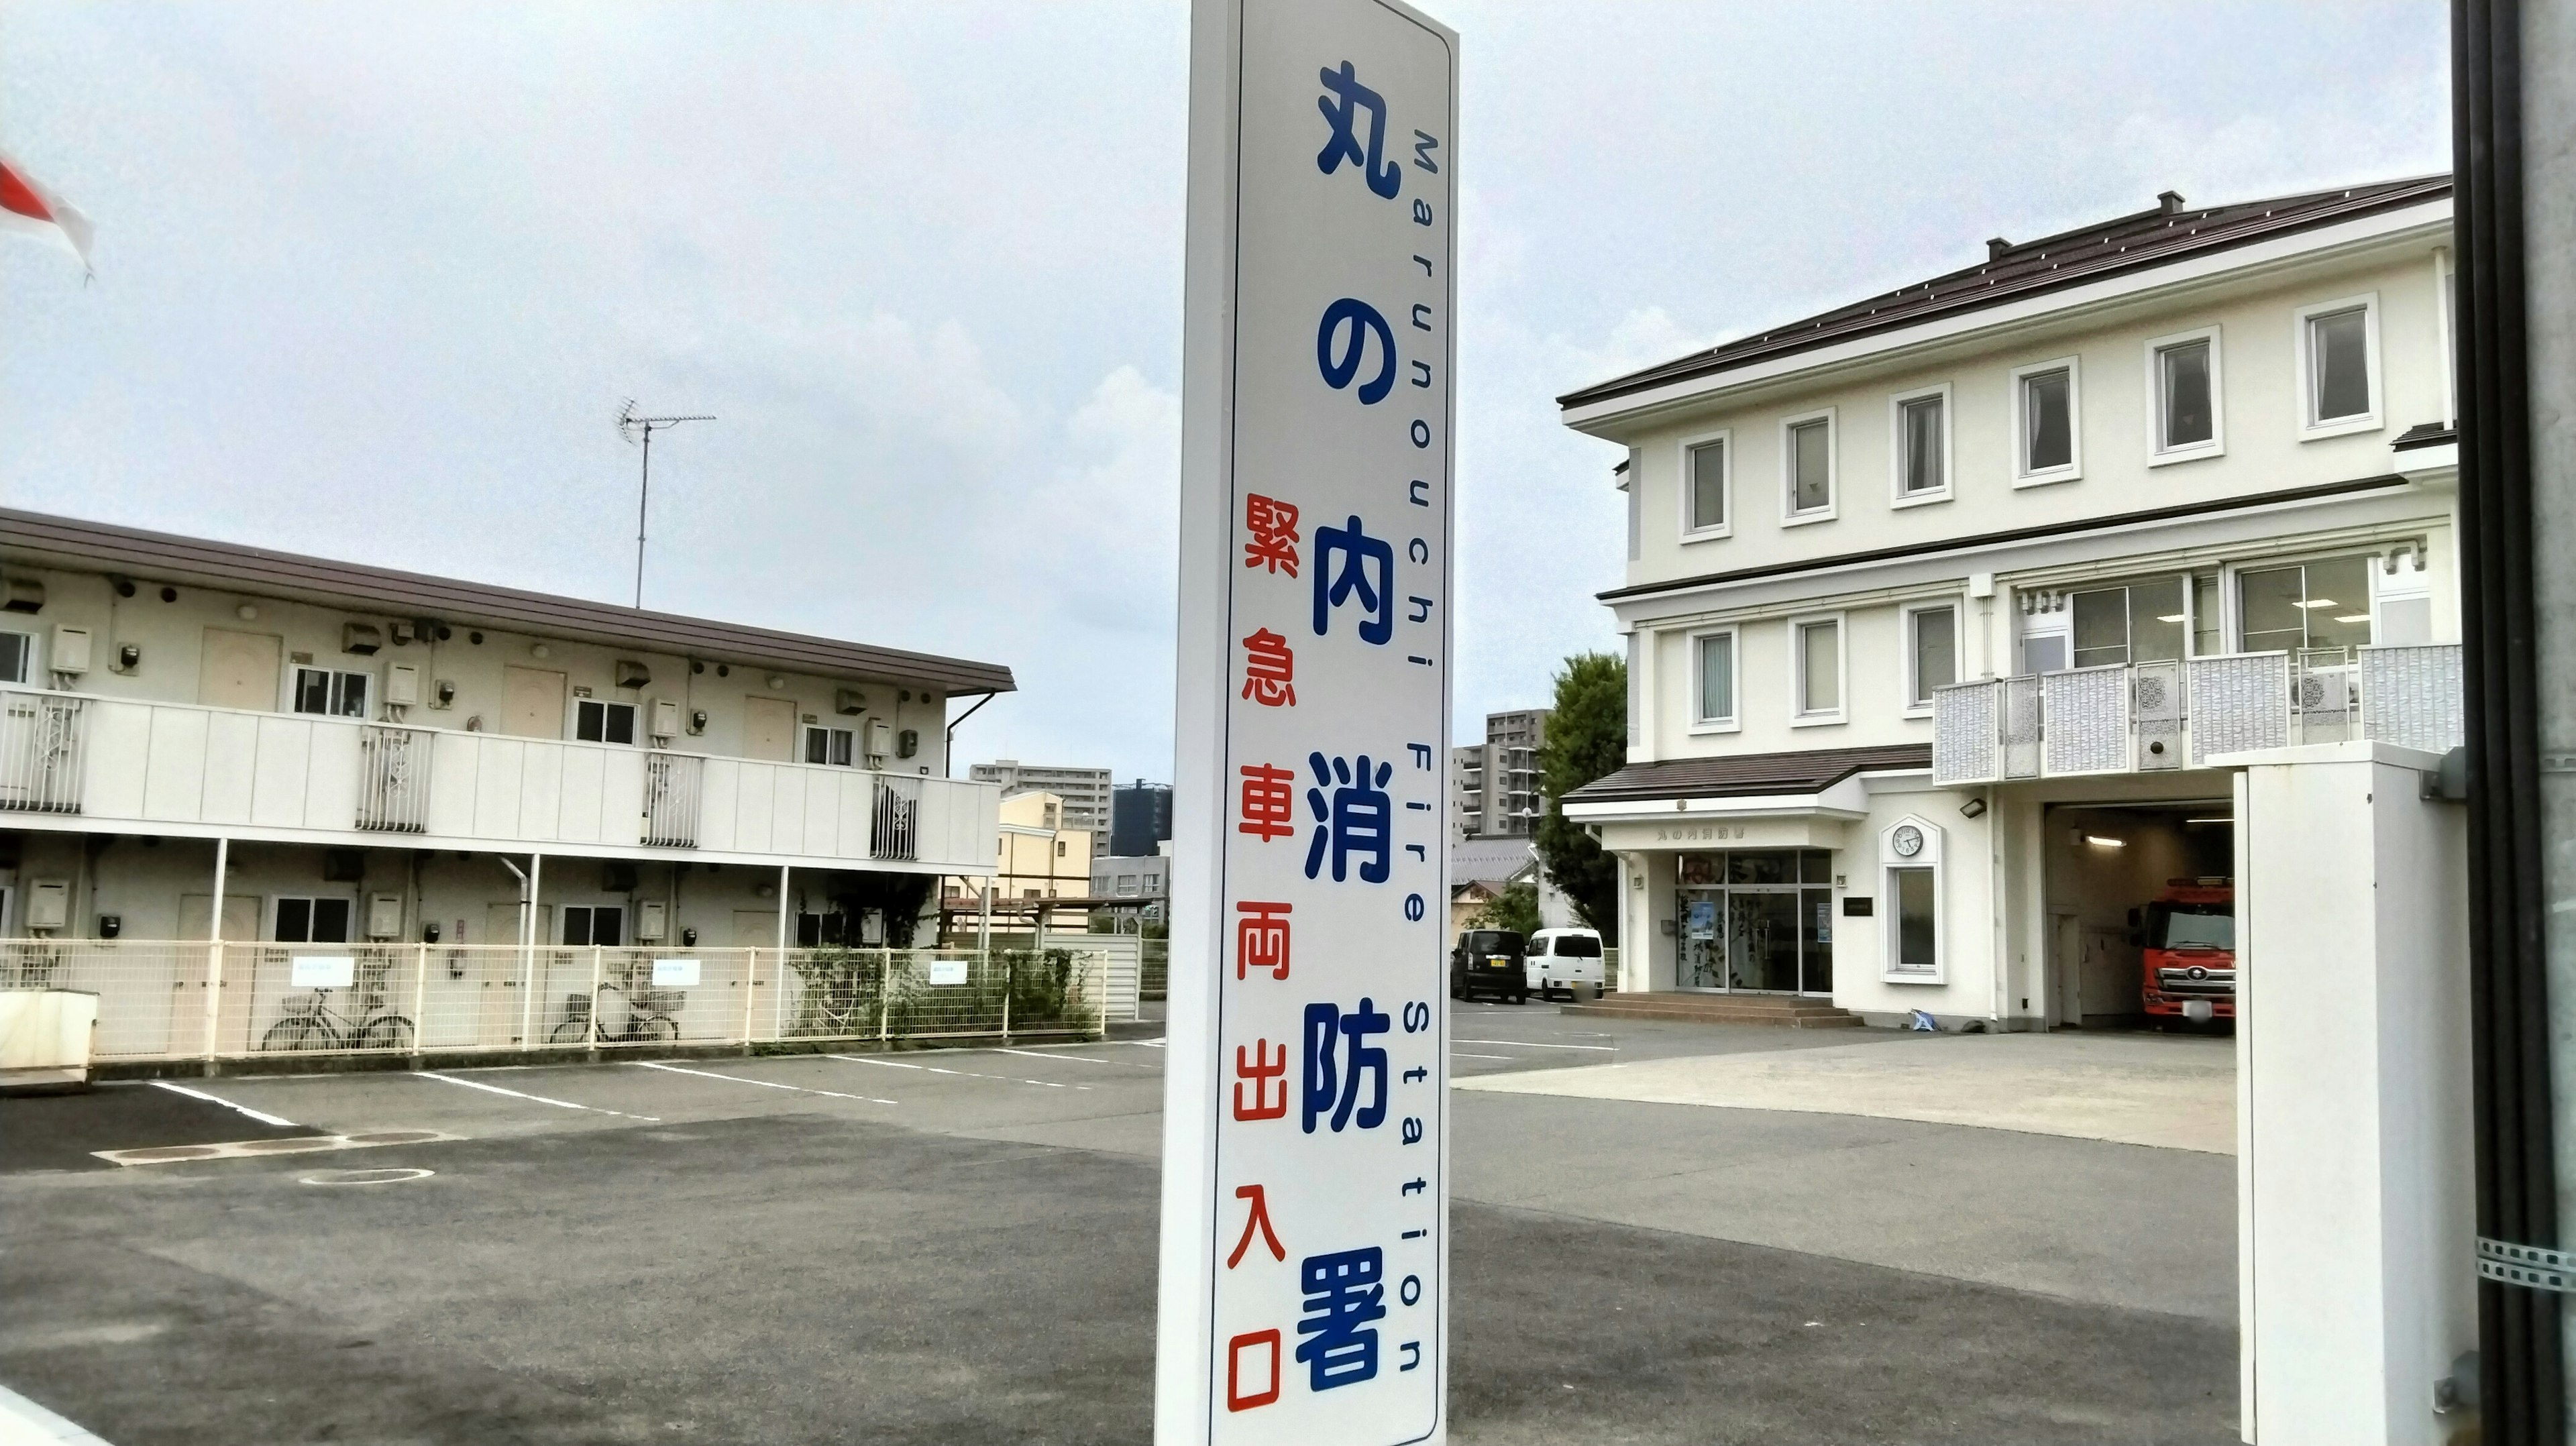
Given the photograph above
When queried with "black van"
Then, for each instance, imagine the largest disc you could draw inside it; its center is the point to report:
(1489, 959)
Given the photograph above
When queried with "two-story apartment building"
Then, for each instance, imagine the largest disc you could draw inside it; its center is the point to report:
(196, 735)
(1944, 608)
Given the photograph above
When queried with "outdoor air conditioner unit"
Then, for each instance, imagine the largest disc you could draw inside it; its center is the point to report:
(361, 638)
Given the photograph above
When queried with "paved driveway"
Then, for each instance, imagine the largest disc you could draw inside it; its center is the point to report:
(958, 1247)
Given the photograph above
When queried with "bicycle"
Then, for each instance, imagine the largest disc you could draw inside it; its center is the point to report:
(639, 1024)
(316, 1025)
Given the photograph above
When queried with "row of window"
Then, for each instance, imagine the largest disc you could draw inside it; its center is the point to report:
(2338, 352)
(2329, 603)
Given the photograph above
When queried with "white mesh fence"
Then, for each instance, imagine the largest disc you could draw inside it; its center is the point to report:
(163, 1000)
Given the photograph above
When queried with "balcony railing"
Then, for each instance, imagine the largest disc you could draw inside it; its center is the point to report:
(2151, 717)
(393, 796)
(40, 752)
(672, 784)
(137, 764)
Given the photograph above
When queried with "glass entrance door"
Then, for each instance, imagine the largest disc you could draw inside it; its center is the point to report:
(1756, 922)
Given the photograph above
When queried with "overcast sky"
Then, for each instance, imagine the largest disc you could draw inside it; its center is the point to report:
(373, 280)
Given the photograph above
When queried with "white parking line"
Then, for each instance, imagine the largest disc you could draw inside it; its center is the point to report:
(476, 1084)
(22, 1420)
(1534, 1044)
(1462, 1054)
(1082, 1058)
(262, 1116)
(966, 1073)
(766, 1084)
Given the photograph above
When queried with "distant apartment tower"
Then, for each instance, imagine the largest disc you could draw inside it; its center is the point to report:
(1140, 817)
(1493, 786)
(1085, 791)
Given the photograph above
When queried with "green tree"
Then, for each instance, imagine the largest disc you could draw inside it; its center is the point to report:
(1587, 738)
(1515, 908)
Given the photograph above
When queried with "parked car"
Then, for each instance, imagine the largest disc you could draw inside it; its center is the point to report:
(1490, 960)
(1560, 959)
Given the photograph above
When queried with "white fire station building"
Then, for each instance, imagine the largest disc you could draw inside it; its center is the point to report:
(1945, 608)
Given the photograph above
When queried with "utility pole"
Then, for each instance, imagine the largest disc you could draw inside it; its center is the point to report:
(630, 426)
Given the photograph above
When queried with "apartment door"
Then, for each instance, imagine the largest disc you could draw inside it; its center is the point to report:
(238, 670)
(241, 968)
(769, 728)
(532, 703)
(755, 928)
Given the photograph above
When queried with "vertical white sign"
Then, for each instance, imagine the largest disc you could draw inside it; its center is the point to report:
(1305, 1249)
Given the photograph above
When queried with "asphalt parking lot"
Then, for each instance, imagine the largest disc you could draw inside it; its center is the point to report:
(958, 1247)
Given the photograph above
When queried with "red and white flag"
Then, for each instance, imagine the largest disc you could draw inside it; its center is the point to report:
(29, 208)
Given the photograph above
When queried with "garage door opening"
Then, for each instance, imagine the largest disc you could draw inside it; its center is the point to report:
(2141, 915)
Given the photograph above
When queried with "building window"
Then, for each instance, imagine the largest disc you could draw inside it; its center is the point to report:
(2339, 366)
(1909, 855)
(1931, 652)
(1921, 446)
(1127, 885)
(1059, 848)
(1817, 649)
(1916, 910)
(1705, 486)
(2139, 622)
(17, 657)
(2324, 604)
(2044, 430)
(831, 747)
(1807, 453)
(1713, 659)
(2208, 619)
(594, 721)
(2184, 379)
(600, 924)
(312, 921)
(330, 693)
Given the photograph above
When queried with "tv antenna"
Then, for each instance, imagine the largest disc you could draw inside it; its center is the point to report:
(631, 426)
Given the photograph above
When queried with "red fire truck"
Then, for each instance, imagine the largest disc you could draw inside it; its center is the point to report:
(2189, 950)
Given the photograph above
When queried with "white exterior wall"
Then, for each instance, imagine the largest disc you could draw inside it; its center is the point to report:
(171, 637)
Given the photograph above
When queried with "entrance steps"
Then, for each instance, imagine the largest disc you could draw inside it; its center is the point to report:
(1787, 1011)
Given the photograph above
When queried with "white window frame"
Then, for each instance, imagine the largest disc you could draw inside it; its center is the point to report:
(2372, 420)
(572, 724)
(1735, 683)
(1691, 532)
(294, 672)
(2158, 454)
(1891, 922)
(2023, 474)
(1789, 516)
(1897, 496)
(1841, 712)
(33, 670)
(1905, 640)
(805, 745)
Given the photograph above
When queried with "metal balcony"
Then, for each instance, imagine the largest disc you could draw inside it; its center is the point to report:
(2154, 717)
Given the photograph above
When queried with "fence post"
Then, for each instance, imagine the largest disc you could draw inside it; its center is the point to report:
(419, 999)
(778, 999)
(885, 997)
(1104, 983)
(591, 1035)
(750, 982)
(1010, 964)
(215, 953)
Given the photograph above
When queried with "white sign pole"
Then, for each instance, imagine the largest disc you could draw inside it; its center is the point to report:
(1305, 1242)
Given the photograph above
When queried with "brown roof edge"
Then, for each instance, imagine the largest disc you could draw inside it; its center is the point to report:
(1742, 775)
(2018, 279)
(84, 545)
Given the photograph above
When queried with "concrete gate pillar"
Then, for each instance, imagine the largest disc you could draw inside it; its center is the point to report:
(2356, 1270)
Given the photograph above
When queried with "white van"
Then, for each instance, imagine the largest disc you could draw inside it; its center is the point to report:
(1560, 959)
